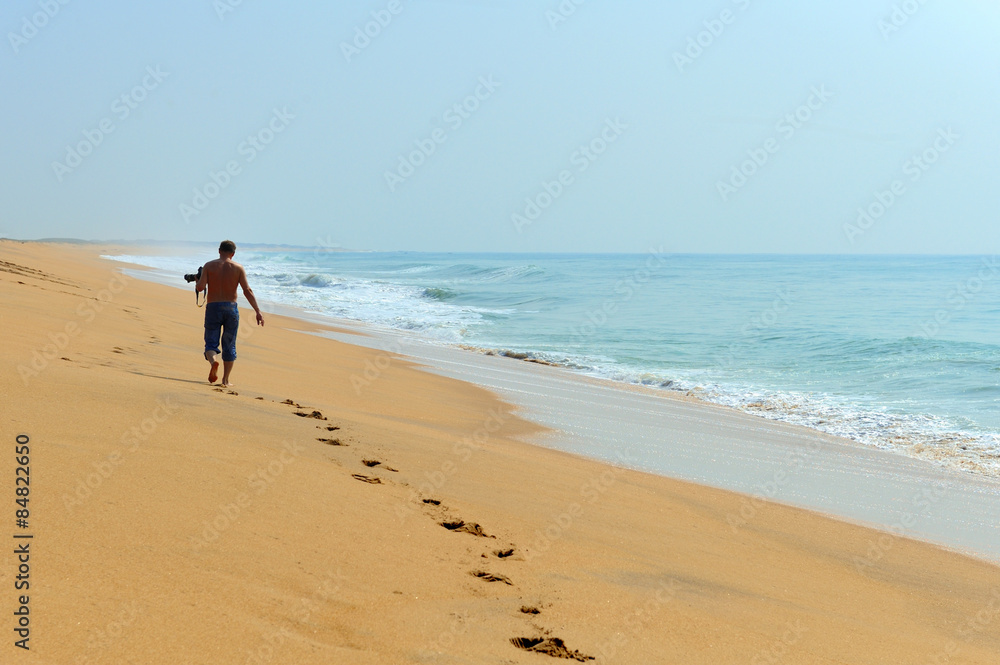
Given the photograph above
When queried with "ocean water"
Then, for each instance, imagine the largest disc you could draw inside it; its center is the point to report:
(899, 353)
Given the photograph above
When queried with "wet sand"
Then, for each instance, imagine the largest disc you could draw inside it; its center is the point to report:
(389, 514)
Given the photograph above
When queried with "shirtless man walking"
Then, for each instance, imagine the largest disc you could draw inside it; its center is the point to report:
(221, 277)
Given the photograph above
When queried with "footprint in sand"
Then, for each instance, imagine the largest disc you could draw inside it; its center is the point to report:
(302, 414)
(368, 479)
(503, 554)
(490, 577)
(374, 462)
(526, 609)
(332, 442)
(328, 428)
(550, 646)
(460, 526)
(433, 502)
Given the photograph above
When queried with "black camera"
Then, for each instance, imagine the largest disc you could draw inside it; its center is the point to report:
(193, 278)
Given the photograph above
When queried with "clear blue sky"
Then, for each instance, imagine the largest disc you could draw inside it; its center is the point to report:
(610, 70)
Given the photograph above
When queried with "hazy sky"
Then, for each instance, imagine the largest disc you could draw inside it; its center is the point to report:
(722, 126)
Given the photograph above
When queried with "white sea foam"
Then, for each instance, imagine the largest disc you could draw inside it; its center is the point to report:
(432, 299)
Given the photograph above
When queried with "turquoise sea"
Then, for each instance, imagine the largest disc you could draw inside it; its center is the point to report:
(899, 352)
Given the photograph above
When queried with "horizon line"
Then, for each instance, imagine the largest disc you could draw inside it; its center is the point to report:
(338, 249)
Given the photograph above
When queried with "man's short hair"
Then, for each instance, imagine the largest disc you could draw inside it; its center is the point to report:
(227, 246)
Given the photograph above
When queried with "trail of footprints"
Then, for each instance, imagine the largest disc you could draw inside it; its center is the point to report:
(544, 644)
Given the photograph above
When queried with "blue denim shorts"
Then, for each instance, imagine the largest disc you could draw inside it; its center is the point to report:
(224, 318)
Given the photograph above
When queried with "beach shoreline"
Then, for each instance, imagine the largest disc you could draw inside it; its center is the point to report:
(315, 562)
(791, 464)
(809, 351)
(679, 436)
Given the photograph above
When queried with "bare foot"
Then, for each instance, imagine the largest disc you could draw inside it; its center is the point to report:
(213, 374)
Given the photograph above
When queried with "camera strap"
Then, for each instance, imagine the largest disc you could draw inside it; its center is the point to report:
(203, 300)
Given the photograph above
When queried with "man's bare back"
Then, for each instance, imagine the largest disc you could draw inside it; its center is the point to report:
(223, 276)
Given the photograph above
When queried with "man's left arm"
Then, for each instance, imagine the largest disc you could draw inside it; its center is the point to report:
(248, 292)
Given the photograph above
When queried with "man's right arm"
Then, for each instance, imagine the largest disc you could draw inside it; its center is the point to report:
(202, 282)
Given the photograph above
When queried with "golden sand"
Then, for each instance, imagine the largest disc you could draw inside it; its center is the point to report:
(388, 515)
